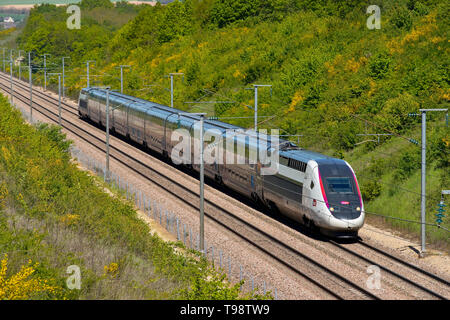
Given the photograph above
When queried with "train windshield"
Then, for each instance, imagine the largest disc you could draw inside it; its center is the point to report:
(339, 185)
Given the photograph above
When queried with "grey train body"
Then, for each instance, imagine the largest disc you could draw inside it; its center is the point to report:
(308, 187)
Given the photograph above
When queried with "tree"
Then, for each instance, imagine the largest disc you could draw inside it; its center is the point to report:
(91, 4)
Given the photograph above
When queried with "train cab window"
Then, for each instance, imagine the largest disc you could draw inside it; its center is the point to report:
(339, 185)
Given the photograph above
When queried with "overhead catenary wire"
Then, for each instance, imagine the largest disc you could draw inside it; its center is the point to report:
(396, 186)
(365, 211)
(385, 216)
(392, 132)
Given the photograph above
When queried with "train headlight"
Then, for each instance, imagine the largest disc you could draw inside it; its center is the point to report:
(358, 209)
(331, 209)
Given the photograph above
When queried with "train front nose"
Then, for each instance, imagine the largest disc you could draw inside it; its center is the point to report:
(342, 197)
(346, 210)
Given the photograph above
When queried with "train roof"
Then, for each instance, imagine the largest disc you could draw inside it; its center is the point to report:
(144, 106)
(292, 151)
(306, 155)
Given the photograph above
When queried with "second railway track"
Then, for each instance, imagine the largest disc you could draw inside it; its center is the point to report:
(333, 284)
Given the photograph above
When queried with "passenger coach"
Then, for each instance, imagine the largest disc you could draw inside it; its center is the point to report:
(311, 188)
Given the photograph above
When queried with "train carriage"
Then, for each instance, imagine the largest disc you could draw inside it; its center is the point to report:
(308, 187)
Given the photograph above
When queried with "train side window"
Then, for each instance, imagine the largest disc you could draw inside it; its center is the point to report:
(303, 169)
(284, 161)
(295, 164)
(312, 185)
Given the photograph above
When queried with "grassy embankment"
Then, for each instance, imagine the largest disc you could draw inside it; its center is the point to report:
(53, 215)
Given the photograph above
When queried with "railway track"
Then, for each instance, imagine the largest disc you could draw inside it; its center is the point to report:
(304, 267)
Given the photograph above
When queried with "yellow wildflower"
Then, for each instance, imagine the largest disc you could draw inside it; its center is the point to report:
(296, 100)
(111, 270)
(174, 57)
(237, 74)
(5, 152)
(70, 219)
(19, 286)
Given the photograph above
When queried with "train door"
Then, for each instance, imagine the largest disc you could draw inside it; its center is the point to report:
(212, 147)
(120, 117)
(93, 109)
(309, 187)
(254, 169)
(167, 130)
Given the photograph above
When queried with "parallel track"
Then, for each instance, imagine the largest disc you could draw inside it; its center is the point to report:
(289, 257)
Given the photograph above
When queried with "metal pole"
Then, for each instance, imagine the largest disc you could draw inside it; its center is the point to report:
(45, 72)
(11, 56)
(64, 78)
(107, 135)
(202, 213)
(255, 87)
(171, 86)
(171, 90)
(30, 79)
(423, 196)
(12, 90)
(121, 75)
(20, 64)
(87, 67)
(256, 108)
(59, 95)
(59, 99)
(201, 237)
(121, 79)
(423, 178)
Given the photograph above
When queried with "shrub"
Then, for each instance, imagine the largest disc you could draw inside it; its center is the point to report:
(23, 285)
(379, 66)
(418, 7)
(370, 190)
(394, 115)
(343, 136)
(91, 4)
(402, 19)
(408, 163)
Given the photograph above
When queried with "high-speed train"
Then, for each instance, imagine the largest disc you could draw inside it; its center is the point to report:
(308, 187)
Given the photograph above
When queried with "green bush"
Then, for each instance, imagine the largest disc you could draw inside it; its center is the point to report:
(408, 163)
(402, 19)
(91, 4)
(370, 190)
(418, 7)
(379, 66)
(394, 115)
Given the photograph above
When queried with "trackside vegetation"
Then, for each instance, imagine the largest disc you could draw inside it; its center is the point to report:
(333, 78)
(54, 215)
